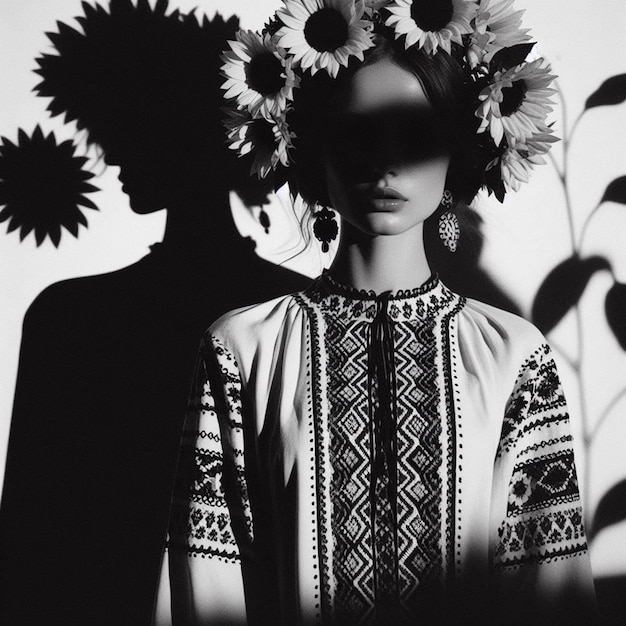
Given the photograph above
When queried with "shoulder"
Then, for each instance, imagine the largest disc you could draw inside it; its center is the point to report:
(248, 326)
(496, 322)
(492, 335)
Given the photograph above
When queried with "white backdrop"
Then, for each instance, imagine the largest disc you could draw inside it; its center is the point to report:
(525, 237)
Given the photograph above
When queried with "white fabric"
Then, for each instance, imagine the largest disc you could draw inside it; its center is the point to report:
(510, 536)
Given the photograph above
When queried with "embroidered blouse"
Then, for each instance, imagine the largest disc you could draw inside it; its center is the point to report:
(350, 458)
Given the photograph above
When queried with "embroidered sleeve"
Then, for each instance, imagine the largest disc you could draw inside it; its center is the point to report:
(211, 462)
(540, 542)
(543, 518)
(210, 509)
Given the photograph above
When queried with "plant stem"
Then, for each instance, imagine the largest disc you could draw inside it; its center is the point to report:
(583, 230)
(577, 362)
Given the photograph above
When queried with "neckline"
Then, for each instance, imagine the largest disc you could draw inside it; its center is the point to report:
(336, 300)
(332, 286)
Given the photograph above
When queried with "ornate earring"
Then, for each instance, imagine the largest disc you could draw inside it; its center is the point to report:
(325, 227)
(449, 230)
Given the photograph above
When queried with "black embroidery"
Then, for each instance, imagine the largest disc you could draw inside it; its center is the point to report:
(543, 519)
(201, 520)
(543, 482)
(345, 343)
(206, 485)
(540, 538)
(546, 443)
(420, 446)
(323, 597)
(537, 400)
(422, 302)
(454, 436)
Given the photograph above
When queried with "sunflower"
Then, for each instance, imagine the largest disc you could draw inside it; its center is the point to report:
(324, 34)
(516, 102)
(258, 74)
(496, 26)
(539, 143)
(373, 6)
(515, 168)
(267, 140)
(517, 161)
(431, 24)
(42, 185)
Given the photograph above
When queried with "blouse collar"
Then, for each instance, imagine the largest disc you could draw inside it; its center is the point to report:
(423, 302)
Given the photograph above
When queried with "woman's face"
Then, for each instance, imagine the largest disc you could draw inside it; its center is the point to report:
(387, 156)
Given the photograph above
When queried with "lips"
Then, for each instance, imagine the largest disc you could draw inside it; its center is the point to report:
(386, 199)
(386, 193)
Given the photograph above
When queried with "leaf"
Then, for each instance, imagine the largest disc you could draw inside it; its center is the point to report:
(615, 191)
(611, 91)
(562, 288)
(611, 509)
(615, 309)
(510, 57)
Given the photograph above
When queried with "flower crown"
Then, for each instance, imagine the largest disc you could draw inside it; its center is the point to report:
(485, 37)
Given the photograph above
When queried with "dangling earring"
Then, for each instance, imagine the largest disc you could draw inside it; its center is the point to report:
(449, 230)
(264, 220)
(325, 227)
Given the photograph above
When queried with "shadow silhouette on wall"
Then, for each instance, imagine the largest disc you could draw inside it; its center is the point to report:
(610, 590)
(43, 186)
(106, 361)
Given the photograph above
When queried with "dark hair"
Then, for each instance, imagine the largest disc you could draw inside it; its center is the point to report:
(445, 87)
(453, 101)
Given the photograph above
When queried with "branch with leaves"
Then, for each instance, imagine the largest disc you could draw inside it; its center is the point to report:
(563, 288)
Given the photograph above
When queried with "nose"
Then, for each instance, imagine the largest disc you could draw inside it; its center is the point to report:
(385, 153)
(385, 172)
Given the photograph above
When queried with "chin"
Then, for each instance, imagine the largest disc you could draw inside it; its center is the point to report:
(385, 223)
(144, 205)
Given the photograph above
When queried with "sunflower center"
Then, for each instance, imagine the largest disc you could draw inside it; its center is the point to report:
(512, 97)
(263, 73)
(326, 30)
(263, 134)
(431, 15)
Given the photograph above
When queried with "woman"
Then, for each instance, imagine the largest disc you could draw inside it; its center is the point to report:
(378, 449)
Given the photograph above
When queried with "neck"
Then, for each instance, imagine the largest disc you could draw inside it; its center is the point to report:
(382, 262)
(197, 227)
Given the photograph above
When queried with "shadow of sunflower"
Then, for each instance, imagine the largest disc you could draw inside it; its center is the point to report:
(143, 81)
(42, 186)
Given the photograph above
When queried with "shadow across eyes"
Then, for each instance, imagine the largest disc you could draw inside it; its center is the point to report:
(359, 144)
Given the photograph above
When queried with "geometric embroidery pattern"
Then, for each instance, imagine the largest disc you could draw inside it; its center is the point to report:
(418, 433)
(542, 482)
(201, 520)
(346, 344)
(419, 446)
(544, 520)
(544, 537)
(537, 400)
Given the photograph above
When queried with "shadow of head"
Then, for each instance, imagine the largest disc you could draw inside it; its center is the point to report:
(145, 84)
